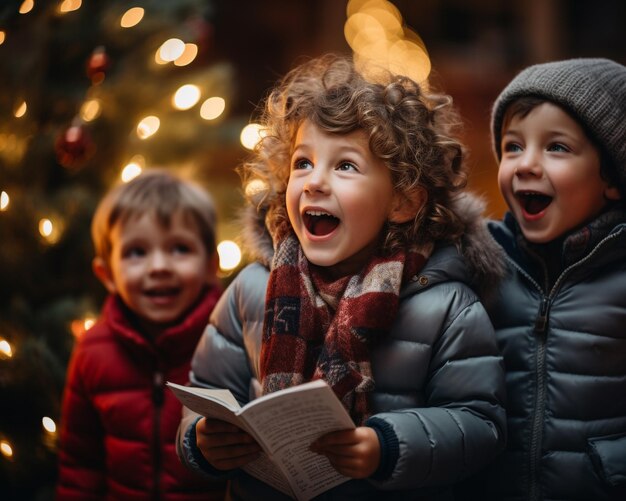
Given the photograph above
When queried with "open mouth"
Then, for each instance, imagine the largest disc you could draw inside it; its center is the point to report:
(164, 292)
(532, 202)
(320, 223)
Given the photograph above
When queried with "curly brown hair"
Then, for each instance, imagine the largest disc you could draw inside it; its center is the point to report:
(410, 129)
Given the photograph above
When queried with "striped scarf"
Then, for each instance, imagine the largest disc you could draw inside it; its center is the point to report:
(316, 329)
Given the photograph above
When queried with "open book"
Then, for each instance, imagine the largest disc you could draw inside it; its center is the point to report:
(284, 424)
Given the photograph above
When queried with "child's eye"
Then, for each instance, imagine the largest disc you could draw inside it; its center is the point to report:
(134, 252)
(302, 164)
(346, 166)
(511, 147)
(558, 147)
(181, 248)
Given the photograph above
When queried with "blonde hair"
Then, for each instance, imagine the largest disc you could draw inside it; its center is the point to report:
(158, 192)
(410, 129)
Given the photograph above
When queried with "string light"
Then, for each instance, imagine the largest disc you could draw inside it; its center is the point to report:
(212, 108)
(186, 97)
(130, 171)
(148, 126)
(171, 50)
(5, 349)
(254, 187)
(48, 424)
(82, 325)
(2, 37)
(188, 55)
(4, 201)
(375, 32)
(27, 6)
(50, 231)
(229, 254)
(90, 110)
(20, 109)
(70, 6)
(6, 449)
(132, 17)
(250, 135)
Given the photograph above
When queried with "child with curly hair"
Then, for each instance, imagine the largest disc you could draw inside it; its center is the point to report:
(368, 249)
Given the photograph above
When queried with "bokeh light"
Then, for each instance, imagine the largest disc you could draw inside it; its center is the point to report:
(186, 97)
(48, 424)
(251, 134)
(171, 50)
(148, 126)
(188, 55)
(4, 201)
(132, 17)
(212, 108)
(229, 254)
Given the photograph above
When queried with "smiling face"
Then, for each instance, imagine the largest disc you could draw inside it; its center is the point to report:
(339, 196)
(549, 173)
(158, 272)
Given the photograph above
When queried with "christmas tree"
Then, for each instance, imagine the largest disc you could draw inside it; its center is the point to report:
(91, 92)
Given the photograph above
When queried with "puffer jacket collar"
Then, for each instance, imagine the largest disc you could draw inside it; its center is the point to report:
(174, 345)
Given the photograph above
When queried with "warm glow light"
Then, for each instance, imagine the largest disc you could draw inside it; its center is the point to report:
(48, 424)
(254, 187)
(186, 97)
(130, 171)
(78, 327)
(20, 110)
(374, 30)
(45, 227)
(230, 255)
(5, 349)
(69, 6)
(148, 127)
(4, 201)
(27, 6)
(188, 55)
(90, 110)
(132, 17)
(171, 49)
(250, 135)
(212, 108)
(6, 449)
(2, 37)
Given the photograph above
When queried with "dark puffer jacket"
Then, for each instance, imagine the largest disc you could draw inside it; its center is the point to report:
(564, 348)
(118, 420)
(439, 377)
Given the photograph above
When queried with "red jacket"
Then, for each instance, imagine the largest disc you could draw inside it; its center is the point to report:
(118, 421)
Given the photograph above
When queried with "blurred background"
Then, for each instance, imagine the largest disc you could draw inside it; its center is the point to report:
(94, 91)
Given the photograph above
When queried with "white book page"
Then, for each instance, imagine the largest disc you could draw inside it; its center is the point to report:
(215, 404)
(290, 422)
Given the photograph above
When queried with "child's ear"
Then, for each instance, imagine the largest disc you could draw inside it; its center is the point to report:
(102, 271)
(612, 193)
(407, 206)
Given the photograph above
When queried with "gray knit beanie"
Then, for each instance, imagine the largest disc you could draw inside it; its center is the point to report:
(592, 90)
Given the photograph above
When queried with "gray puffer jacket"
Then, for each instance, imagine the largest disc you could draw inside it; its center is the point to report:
(564, 348)
(439, 377)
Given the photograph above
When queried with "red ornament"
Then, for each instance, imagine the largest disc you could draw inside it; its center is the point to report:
(97, 65)
(74, 147)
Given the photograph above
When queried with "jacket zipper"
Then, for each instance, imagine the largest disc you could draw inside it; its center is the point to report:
(157, 400)
(541, 329)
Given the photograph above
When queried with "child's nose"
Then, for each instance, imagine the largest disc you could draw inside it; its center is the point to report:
(529, 164)
(159, 261)
(316, 181)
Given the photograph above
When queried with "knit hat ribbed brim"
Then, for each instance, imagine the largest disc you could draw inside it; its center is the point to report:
(593, 90)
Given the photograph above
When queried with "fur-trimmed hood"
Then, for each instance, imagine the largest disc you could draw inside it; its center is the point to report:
(483, 257)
